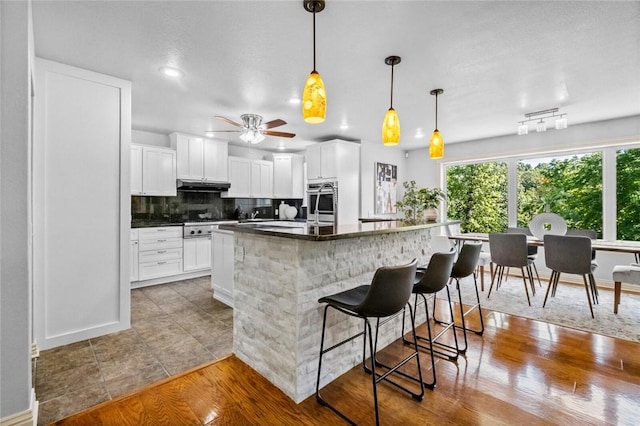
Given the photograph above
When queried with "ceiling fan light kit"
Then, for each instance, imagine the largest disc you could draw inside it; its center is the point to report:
(541, 117)
(314, 95)
(253, 130)
(391, 122)
(436, 144)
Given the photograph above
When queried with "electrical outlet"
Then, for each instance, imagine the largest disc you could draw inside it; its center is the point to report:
(239, 254)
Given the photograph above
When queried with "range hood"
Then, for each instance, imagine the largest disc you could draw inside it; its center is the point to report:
(187, 185)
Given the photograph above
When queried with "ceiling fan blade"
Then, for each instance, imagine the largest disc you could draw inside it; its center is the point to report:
(233, 123)
(274, 123)
(280, 134)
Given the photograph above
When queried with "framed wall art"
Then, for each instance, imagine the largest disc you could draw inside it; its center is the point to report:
(386, 188)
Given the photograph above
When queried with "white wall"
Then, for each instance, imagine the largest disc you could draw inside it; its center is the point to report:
(142, 137)
(16, 51)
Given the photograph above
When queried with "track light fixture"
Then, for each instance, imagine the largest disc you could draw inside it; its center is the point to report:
(314, 95)
(436, 144)
(391, 122)
(540, 117)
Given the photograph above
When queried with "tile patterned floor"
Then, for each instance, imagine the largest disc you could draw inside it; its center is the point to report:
(174, 327)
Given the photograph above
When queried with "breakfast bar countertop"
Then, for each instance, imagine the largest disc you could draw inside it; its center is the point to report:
(328, 232)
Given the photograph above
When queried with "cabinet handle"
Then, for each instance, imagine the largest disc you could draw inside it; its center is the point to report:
(161, 251)
(135, 243)
(161, 229)
(162, 241)
(161, 263)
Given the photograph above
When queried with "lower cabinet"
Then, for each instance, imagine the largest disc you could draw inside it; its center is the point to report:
(159, 252)
(223, 267)
(197, 254)
(133, 256)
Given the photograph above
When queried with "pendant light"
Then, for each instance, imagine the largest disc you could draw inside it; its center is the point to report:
(436, 144)
(314, 96)
(391, 122)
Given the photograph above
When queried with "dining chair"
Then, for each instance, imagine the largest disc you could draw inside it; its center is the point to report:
(532, 251)
(592, 236)
(629, 274)
(569, 254)
(510, 251)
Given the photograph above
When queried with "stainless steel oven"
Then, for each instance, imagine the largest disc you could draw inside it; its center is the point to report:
(322, 202)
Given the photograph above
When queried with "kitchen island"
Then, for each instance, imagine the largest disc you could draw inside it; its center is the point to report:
(281, 272)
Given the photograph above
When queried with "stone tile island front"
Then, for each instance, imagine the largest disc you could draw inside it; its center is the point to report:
(280, 273)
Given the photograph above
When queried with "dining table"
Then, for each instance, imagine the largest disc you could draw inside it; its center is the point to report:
(618, 246)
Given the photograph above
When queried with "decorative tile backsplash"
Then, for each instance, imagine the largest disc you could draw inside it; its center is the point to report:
(198, 206)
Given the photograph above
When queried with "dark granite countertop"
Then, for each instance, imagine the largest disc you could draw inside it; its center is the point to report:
(153, 224)
(310, 232)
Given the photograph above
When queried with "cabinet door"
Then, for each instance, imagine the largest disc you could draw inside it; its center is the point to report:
(190, 154)
(136, 170)
(159, 171)
(261, 179)
(312, 157)
(328, 161)
(297, 177)
(197, 254)
(223, 267)
(282, 176)
(133, 261)
(216, 156)
(239, 177)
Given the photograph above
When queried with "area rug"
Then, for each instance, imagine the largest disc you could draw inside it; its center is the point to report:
(569, 308)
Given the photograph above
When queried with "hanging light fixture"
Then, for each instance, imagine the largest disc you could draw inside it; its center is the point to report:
(436, 144)
(541, 117)
(391, 122)
(314, 95)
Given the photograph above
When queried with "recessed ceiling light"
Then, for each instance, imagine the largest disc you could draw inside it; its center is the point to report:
(419, 133)
(294, 101)
(281, 147)
(209, 133)
(171, 72)
(344, 126)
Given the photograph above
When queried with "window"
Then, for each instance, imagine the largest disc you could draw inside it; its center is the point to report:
(628, 194)
(477, 196)
(570, 186)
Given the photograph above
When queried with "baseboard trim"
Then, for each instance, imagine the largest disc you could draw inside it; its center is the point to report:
(28, 417)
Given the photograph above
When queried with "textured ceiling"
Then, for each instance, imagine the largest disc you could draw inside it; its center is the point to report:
(495, 61)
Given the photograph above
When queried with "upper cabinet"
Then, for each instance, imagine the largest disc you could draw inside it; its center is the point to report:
(153, 171)
(201, 158)
(288, 176)
(250, 178)
(332, 160)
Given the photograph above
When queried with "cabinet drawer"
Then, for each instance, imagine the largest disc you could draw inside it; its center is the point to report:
(158, 255)
(159, 269)
(163, 232)
(160, 244)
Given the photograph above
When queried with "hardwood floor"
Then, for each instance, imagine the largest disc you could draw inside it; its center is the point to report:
(520, 371)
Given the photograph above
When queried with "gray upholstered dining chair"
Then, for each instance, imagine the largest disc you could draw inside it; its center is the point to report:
(570, 254)
(510, 251)
(592, 236)
(532, 251)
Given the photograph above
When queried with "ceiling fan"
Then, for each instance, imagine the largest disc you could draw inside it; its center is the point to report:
(253, 130)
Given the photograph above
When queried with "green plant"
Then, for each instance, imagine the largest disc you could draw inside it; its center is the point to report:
(416, 200)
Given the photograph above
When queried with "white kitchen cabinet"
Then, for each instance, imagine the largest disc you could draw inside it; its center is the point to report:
(160, 252)
(200, 158)
(136, 170)
(322, 160)
(261, 179)
(288, 178)
(223, 249)
(197, 254)
(153, 171)
(339, 161)
(249, 178)
(133, 256)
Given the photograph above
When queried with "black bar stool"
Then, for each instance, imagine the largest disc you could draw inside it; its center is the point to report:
(429, 281)
(387, 295)
(465, 266)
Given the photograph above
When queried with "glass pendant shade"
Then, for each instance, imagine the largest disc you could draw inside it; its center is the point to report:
(391, 128)
(436, 145)
(314, 99)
